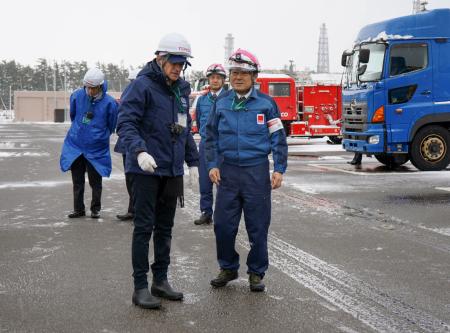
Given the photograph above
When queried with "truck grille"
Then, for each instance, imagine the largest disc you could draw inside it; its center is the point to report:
(354, 117)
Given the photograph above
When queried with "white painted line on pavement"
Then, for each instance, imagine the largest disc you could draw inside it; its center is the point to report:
(369, 173)
(364, 302)
(443, 189)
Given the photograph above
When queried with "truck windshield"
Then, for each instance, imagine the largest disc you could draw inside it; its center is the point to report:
(374, 68)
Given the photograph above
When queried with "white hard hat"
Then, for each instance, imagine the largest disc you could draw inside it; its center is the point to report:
(176, 44)
(94, 78)
(133, 73)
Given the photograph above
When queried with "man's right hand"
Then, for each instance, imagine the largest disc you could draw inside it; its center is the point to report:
(146, 162)
(214, 175)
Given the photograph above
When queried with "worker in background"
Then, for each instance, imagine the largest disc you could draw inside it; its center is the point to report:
(154, 124)
(86, 147)
(243, 129)
(120, 148)
(216, 75)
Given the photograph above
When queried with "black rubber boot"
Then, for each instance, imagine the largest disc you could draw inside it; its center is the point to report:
(164, 290)
(125, 217)
(95, 214)
(256, 283)
(204, 219)
(74, 215)
(224, 277)
(144, 299)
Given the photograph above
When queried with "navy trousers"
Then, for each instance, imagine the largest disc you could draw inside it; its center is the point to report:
(153, 214)
(78, 170)
(205, 184)
(248, 190)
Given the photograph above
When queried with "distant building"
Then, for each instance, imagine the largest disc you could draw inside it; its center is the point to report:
(46, 106)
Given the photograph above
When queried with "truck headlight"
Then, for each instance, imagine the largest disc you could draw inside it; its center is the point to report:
(374, 139)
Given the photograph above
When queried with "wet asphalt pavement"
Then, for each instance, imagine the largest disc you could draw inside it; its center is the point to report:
(351, 250)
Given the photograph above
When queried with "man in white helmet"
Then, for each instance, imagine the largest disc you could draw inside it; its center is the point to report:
(86, 147)
(154, 124)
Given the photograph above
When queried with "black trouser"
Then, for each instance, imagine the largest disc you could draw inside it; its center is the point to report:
(153, 213)
(129, 182)
(79, 168)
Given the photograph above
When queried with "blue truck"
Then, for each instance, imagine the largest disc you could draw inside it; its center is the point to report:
(396, 91)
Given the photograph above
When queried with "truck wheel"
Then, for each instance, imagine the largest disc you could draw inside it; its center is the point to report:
(392, 161)
(429, 148)
(337, 140)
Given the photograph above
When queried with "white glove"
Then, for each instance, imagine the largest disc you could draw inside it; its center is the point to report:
(193, 176)
(146, 162)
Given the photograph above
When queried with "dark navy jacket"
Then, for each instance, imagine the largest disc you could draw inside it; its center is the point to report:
(119, 146)
(90, 138)
(204, 106)
(147, 110)
(241, 137)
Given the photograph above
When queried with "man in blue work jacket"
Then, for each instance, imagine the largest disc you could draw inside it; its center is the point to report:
(243, 129)
(154, 124)
(86, 147)
(216, 75)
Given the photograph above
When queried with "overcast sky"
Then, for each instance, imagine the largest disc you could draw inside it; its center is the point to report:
(129, 31)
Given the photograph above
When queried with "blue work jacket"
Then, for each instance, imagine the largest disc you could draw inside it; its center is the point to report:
(90, 137)
(204, 106)
(239, 134)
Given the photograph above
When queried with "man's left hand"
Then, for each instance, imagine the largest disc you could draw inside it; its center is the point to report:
(277, 178)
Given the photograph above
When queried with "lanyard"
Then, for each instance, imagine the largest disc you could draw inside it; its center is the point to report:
(177, 95)
(238, 106)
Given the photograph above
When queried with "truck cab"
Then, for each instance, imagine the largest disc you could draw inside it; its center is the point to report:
(396, 93)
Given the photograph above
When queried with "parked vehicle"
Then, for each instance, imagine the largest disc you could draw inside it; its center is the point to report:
(396, 95)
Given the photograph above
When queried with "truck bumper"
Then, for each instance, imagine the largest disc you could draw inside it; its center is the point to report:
(370, 142)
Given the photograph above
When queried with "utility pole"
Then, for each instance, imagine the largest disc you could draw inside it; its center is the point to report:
(54, 83)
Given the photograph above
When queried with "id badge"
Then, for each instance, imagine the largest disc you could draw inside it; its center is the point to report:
(85, 120)
(182, 119)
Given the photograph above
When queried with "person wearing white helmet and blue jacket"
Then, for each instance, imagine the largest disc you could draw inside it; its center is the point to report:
(243, 129)
(216, 75)
(86, 147)
(120, 148)
(154, 124)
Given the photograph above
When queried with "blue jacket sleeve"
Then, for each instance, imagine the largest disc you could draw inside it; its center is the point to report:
(131, 111)
(212, 135)
(73, 110)
(278, 143)
(198, 112)
(112, 116)
(191, 152)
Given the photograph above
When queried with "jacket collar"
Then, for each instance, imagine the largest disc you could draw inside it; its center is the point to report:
(154, 72)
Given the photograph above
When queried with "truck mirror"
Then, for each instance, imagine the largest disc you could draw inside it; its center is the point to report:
(345, 56)
(362, 69)
(364, 56)
(344, 59)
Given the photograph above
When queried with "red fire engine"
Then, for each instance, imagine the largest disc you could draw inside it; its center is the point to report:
(307, 111)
